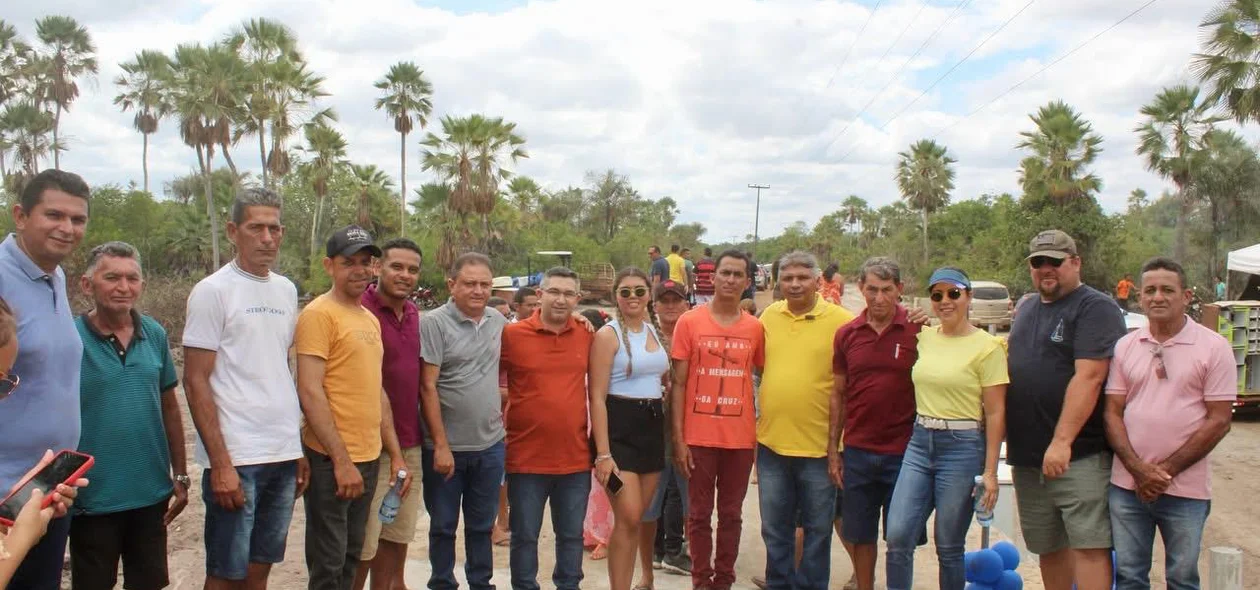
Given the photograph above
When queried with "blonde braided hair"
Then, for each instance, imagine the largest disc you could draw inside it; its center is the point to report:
(630, 271)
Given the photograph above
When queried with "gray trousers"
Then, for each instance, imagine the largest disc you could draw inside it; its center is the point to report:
(335, 527)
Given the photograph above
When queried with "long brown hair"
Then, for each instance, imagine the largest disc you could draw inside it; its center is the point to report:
(634, 271)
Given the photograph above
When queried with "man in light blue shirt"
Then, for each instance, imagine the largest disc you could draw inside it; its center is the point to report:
(51, 217)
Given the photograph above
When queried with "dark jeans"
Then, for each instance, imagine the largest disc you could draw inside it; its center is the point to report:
(335, 527)
(792, 488)
(474, 484)
(720, 478)
(41, 570)
(528, 495)
(669, 511)
(1180, 523)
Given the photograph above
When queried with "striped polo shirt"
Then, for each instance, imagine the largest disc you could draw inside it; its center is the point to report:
(120, 398)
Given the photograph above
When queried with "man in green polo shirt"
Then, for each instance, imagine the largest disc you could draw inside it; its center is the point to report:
(131, 424)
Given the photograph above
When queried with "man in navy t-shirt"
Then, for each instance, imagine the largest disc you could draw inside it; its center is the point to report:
(660, 267)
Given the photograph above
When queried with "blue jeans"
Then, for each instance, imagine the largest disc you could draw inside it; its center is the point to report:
(474, 484)
(792, 488)
(528, 495)
(1180, 522)
(258, 532)
(938, 473)
(41, 569)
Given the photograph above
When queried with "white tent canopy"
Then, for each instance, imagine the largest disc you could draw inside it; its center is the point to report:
(1246, 260)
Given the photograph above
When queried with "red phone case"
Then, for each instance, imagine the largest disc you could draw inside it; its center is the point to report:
(48, 498)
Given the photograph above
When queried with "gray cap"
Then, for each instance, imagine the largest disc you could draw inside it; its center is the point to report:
(1052, 243)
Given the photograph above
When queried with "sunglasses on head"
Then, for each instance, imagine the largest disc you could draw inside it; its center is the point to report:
(954, 294)
(627, 292)
(8, 384)
(1039, 261)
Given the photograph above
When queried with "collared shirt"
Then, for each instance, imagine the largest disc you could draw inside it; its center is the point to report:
(677, 268)
(546, 371)
(796, 385)
(879, 392)
(466, 353)
(44, 412)
(400, 371)
(1160, 415)
(120, 394)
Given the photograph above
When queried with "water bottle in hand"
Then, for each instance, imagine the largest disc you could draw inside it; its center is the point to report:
(393, 499)
(984, 516)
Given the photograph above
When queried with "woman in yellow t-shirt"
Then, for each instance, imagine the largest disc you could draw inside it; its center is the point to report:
(960, 392)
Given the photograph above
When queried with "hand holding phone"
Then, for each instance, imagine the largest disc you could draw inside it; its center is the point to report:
(614, 484)
(56, 476)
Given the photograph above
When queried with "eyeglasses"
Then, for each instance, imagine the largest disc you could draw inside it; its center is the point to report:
(627, 292)
(1039, 261)
(8, 384)
(559, 293)
(954, 294)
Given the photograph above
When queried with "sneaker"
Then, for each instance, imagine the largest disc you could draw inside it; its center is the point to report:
(658, 561)
(759, 582)
(679, 564)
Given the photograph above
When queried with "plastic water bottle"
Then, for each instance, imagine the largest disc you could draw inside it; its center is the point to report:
(393, 499)
(984, 516)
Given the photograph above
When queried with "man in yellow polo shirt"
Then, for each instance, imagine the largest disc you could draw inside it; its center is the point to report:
(795, 487)
(677, 265)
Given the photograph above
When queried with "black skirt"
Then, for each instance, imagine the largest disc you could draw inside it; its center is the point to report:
(636, 434)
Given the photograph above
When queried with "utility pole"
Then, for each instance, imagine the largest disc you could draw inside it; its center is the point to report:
(757, 216)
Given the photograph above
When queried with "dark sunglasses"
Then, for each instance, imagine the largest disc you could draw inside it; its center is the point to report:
(1039, 261)
(627, 292)
(8, 385)
(954, 294)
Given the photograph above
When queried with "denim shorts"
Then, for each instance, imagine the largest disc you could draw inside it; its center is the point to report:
(256, 533)
(868, 487)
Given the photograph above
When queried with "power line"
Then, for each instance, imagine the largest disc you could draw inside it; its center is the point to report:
(896, 74)
(1042, 70)
(845, 59)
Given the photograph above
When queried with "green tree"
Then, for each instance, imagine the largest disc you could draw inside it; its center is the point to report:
(471, 155)
(1228, 179)
(525, 194)
(373, 187)
(143, 88)
(608, 196)
(1171, 140)
(407, 99)
(264, 46)
(28, 131)
(327, 148)
(855, 210)
(69, 54)
(1063, 145)
(925, 177)
(1227, 64)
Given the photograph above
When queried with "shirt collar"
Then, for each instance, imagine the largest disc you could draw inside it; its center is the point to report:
(535, 323)
(1187, 335)
(28, 266)
(900, 318)
(372, 300)
(136, 322)
(817, 310)
(459, 315)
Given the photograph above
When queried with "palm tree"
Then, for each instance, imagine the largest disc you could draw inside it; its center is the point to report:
(13, 53)
(1227, 177)
(1171, 139)
(925, 176)
(608, 196)
(27, 129)
(1227, 65)
(854, 208)
(471, 155)
(407, 99)
(374, 185)
(143, 87)
(525, 194)
(328, 153)
(70, 54)
(1063, 146)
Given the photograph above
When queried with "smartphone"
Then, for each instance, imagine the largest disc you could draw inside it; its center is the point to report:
(614, 484)
(66, 467)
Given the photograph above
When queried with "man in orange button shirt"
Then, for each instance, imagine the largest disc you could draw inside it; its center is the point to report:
(1123, 289)
(545, 358)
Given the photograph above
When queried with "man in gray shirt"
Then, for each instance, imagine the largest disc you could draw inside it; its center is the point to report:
(462, 408)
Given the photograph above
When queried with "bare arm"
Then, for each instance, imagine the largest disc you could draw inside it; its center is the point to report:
(1118, 433)
(678, 401)
(198, 364)
(431, 408)
(1081, 398)
(995, 425)
(173, 422)
(1214, 428)
(310, 386)
(835, 423)
(389, 436)
(599, 369)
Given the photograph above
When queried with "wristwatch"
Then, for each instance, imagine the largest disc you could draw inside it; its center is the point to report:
(183, 480)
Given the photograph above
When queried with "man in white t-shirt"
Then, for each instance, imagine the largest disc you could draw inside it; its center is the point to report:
(243, 400)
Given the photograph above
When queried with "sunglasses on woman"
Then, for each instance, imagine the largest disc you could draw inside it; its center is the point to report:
(954, 294)
(8, 384)
(627, 292)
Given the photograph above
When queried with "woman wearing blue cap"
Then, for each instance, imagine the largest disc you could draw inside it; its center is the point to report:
(960, 393)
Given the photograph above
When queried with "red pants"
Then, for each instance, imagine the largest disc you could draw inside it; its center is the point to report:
(724, 471)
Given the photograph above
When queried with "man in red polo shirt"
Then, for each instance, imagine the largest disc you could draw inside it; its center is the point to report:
(385, 546)
(872, 403)
(545, 357)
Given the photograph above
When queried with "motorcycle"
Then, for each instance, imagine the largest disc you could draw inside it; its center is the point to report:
(423, 298)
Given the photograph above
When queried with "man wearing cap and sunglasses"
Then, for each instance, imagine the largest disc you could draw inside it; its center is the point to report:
(1060, 352)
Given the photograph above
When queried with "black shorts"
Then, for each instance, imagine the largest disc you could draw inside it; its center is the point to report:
(636, 434)
(137, 537)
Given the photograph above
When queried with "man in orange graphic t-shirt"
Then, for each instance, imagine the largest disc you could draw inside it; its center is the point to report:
(715, 349)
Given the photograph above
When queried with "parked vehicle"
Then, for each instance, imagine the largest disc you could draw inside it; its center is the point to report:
(423, 298)
(991, 305)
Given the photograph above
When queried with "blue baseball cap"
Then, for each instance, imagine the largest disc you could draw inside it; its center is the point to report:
(951, 276)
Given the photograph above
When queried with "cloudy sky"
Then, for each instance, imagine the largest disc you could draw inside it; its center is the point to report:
(692, 99)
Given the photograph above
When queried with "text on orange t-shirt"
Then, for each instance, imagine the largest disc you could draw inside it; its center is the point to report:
(719, 410)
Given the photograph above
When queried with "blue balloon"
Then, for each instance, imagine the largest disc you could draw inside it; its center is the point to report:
(979, 586)
(1010, 580)
(1009, 553)
(967, 558)
(986, 567)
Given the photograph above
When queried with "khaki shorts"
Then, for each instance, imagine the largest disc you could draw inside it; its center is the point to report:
(403, 529)
(1070, 512)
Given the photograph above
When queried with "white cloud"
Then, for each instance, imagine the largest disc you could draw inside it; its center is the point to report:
(690, 99)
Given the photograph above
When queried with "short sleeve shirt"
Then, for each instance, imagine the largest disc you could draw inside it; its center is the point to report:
(951, 373)
(121, 400)
(546, 372)
(879, 392)
(1045, 342)
(466, 352)
(1160, 415)
(660, 269)
(348, 339)
(400, 370)
(719, 408)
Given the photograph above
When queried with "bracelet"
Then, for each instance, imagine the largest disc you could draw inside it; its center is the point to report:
(601, 458)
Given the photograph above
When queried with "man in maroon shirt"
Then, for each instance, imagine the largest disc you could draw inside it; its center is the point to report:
(872, 403)
(385, 546)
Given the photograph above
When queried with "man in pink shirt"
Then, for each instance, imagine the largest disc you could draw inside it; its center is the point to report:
(1169, 398)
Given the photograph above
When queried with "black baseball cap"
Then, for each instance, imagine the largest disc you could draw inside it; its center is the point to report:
(349, 240)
